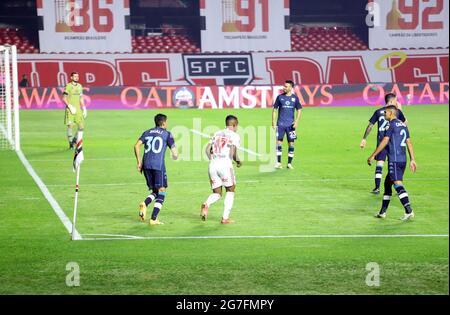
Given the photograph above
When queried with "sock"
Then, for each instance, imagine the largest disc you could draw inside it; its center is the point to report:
(378, 175)
(279, 151)
(290, 154)
(78, 134)
(228, 204)
(158, 204)
(212, 199)
(403, 195)
(385, 204)
(387, 194)
(149, 199)
(70, 134)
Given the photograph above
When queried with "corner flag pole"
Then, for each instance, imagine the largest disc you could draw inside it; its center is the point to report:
(76, 203)
(77, 159)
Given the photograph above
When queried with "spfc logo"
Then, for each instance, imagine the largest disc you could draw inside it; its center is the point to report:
(218, 69)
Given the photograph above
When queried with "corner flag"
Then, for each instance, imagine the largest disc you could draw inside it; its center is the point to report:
(77, 159)
(79, 156)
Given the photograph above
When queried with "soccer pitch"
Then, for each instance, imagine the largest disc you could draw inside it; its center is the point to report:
(309, 230)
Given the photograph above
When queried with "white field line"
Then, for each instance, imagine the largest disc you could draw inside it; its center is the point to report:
(120, 236)
(59, 212)
(90, 159)
(204, 135)
(110, 237)
(437, 179)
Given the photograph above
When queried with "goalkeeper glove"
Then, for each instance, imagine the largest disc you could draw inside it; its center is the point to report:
(84, 112)
(72, 109)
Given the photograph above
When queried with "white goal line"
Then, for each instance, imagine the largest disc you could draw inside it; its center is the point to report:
(112, 237)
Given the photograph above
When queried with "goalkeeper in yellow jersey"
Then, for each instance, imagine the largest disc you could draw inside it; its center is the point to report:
(76, 111)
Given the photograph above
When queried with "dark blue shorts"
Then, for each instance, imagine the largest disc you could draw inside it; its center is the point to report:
(396, 170)
(155, 178)
(288, 130)
(381, 156)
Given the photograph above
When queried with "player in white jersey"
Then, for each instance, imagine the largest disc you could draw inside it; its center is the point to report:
(221, 151)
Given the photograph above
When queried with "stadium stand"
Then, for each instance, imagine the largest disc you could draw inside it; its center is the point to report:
(324, 38)
(164, 44)
(14, 36)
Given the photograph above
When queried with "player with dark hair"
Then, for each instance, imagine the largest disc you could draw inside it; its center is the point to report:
(155, 140)
(221, 151)
(285, 105)
(397, 140)
(378, 117)
(76, 111)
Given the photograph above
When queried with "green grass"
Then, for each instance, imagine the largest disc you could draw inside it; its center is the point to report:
(327, 193)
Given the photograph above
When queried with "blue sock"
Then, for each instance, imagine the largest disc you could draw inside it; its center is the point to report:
(378, 176)
(279, 152)
(149, 199)
(290, 154)
(158, 204)
(403, 195)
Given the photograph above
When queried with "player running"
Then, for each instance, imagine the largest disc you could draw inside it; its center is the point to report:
(396, 139)
(221, 151)
(378, 117)
(156, 141)
(286, 104)
(76, 111)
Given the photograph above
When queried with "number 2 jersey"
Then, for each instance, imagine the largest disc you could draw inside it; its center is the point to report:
(378, 117)
(398, 133)
(156, 141)
(221, 142)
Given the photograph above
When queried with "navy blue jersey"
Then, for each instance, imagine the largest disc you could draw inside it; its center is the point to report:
(378, 117)
(286, 106)
(398, 134)
(156, 141)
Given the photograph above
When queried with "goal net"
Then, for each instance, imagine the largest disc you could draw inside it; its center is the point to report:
(9, 99)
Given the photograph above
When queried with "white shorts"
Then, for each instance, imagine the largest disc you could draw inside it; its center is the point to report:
(221, 173)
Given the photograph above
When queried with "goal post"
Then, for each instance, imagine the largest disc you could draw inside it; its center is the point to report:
(9, 99)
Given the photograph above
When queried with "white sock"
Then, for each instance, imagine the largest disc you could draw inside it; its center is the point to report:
(212, 199)
(228, 204)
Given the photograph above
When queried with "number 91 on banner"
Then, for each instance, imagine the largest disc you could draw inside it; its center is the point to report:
(84, 26)
(245, 25)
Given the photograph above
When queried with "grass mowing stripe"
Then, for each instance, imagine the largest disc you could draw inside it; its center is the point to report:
(257, 181)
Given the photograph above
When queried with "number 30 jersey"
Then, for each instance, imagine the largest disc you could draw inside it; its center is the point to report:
(221, 142)
(156, 141)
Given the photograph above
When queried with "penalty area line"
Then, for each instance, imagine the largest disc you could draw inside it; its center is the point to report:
(53, 203)
(112, 237)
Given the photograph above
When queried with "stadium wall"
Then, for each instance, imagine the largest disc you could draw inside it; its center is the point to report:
(306, 68)
(137, 81)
